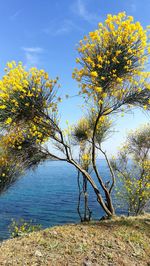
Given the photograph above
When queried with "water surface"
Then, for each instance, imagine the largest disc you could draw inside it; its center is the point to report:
(47, 195)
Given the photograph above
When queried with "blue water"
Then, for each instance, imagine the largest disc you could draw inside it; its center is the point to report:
(47, 195)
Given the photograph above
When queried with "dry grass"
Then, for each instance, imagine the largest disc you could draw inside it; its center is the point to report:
(121, 241)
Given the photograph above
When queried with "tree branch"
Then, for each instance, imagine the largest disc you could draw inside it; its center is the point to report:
(111, 170)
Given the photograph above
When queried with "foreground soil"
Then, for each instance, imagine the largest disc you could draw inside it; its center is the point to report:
(121, 241)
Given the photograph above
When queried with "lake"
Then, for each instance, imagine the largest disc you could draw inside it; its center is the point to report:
(48, 195)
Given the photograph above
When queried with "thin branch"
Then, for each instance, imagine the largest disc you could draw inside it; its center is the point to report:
(51, 155)
(93, 154)
(111, 170)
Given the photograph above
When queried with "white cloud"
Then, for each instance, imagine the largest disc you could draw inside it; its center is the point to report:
(32, 56)
(33, 49)
(15, 15)
(80, 7)
(64, 27)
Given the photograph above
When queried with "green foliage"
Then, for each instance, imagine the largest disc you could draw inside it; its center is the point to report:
(83, 130)
(103, 129)
(132, 167)
(139, 143)
(16, 159)
(21, 228)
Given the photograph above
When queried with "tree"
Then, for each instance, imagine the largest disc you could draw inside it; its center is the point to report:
(82, 136)
(132, 167)
(112, 76)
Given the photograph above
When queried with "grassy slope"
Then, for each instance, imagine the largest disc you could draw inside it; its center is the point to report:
(122, 241)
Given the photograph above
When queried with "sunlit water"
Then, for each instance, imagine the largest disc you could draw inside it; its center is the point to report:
(48, 196)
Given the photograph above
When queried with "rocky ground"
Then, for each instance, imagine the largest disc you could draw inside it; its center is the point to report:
(121, 241)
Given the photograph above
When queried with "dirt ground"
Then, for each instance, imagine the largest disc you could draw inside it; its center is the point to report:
(121, 241)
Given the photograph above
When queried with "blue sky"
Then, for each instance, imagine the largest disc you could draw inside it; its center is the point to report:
(45, 34)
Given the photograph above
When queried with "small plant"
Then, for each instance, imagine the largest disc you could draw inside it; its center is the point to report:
(22, 227)
(132, 168)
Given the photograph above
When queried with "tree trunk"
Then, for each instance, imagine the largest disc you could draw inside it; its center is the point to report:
(87, 211)
(108, 209)
(109, 202)
(84, 215)
(85, 198)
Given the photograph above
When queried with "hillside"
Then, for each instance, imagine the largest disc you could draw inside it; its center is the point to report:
(121, 241)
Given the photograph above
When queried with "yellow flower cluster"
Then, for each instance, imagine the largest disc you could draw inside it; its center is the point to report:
(86, 157)
(26, 99)
(112, 56)
(5, 167)
(24, 135)
(24, 93)
(86, 160)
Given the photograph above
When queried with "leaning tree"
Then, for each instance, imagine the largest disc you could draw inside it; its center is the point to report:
(111, 76)
(82, 136)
